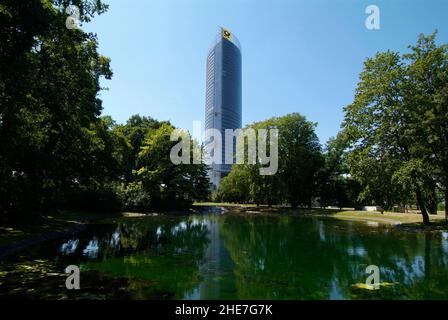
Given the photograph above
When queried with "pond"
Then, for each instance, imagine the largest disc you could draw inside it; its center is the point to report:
(226, 256)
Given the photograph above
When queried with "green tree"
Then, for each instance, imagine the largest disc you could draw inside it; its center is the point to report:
(49, 81)
(395, 126)
(134, 132)
(377, 124)
(300, 159)
(169, 185)
(335, 185)
(235, 187)
(427, 97)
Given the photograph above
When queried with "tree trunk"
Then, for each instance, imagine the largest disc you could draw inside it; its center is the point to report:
(421, 204)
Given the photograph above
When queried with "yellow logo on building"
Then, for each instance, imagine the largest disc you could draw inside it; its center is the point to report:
(226, 34)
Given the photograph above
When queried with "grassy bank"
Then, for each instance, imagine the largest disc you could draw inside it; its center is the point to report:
(394, 218)
(387, 217)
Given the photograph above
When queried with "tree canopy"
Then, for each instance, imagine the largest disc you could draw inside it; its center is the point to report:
(299, 161)
(396, 126)
(56, 149)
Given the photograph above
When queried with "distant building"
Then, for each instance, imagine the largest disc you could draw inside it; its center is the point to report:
(223, 94)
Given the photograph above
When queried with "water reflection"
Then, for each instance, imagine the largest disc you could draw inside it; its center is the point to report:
(215, 256)
(164, 254)
(322, 259)
(69, 247)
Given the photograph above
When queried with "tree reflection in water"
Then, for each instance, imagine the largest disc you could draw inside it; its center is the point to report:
(213, 256)
(313, 258)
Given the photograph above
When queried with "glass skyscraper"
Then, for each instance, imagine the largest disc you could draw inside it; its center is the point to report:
(223, 95)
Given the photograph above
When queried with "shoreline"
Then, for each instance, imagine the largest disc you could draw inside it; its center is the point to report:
(406, 221)
(76, 221)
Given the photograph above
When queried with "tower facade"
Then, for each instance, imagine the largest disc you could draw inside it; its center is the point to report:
(223, 95)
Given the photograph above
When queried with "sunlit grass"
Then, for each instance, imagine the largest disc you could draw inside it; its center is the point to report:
(346, 214)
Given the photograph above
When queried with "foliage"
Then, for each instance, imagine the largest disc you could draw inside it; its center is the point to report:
(49, 107)
(169, 184)
(56, 150)
(133, 197)
(236, 186)
(396, 127)
(335, 185)
(299, 161)
(133, 133)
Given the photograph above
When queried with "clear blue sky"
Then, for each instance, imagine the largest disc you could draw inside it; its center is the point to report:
(298, 56)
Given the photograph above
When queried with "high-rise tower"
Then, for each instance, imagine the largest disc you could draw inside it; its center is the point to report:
(223, 94)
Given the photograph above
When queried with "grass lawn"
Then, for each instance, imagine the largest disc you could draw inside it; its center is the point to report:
(387, 217)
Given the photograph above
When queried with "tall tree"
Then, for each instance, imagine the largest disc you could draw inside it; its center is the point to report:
(427, 97)
(377, 123)
(169, 185)
(299, 161)
(396, 126)
(49, 81)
